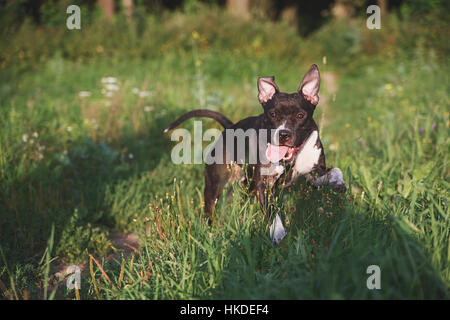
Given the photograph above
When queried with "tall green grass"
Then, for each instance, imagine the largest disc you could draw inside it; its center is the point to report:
(98, 165)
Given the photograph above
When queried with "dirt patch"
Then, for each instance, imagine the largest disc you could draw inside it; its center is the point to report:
(123, 243)
(127, 242)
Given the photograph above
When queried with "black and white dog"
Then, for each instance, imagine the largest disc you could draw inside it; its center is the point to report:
(294, 148)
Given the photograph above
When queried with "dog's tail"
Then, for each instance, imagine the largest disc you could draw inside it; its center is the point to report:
(224, 121)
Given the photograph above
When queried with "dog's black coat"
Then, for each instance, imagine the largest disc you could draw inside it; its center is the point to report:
(292, 114)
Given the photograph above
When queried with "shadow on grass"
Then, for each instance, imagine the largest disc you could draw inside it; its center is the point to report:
(69, 192)
(326, 256)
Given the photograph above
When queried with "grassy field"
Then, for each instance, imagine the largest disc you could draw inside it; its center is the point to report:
(86, 156)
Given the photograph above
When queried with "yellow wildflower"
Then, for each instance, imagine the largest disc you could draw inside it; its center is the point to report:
(195, 35)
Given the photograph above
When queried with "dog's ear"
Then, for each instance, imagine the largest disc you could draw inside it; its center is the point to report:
(309, 87)
(266, 89)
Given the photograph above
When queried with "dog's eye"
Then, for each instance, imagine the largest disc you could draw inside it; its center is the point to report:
(300, 115)
(273, 114)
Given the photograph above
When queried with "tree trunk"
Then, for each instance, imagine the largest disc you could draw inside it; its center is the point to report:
(383, 4)
(238, 7)
(107, 7)
(342, 10)
(129, 6)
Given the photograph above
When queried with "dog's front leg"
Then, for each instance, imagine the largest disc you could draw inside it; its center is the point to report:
(265, 189)
(277, 231)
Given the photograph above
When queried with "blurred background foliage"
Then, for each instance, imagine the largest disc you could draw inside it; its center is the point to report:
(22, 47)
(143, 27)
(308, 15)
(89, 160)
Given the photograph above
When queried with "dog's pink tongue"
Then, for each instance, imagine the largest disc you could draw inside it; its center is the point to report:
(276, 153)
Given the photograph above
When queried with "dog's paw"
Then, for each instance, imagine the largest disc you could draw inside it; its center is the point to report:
(336, 180)
(277, 231)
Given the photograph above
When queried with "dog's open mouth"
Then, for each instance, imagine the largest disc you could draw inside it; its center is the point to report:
(276, 153)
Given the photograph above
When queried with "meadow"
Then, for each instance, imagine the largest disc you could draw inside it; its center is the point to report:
(84, 160)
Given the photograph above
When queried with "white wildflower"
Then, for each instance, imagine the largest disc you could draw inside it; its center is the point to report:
(148, 108)
(25, 137)
(84, 94)
(109, 80)
(107, 93)
(112, 87)
(144, 94)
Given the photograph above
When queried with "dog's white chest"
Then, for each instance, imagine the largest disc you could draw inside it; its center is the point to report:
(308, 156)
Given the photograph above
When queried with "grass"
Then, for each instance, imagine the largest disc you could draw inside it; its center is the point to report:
(97, 165)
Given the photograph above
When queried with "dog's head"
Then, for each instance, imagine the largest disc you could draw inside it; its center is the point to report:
(291, 115)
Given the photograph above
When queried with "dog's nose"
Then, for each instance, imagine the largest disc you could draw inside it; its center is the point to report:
(285, 135)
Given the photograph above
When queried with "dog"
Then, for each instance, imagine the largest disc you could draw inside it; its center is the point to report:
(294, 148)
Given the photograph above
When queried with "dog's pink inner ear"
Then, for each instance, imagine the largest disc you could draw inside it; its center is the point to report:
(266, 89)
(310, 85)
